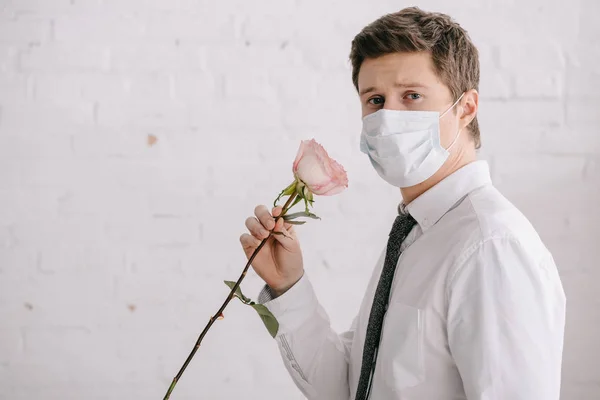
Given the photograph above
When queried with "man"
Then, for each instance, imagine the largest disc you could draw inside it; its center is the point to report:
(470, 305)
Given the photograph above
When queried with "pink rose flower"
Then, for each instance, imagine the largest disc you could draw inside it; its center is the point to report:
(322, 175)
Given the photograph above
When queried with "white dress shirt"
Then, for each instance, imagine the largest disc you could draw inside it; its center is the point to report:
(477, 309)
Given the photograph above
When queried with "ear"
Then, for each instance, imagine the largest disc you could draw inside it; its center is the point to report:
(470, 105)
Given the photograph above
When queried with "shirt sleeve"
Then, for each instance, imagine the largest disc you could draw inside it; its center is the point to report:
(506, 317)
(315, 356)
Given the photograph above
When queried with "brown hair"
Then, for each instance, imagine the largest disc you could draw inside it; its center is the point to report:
(455, 58)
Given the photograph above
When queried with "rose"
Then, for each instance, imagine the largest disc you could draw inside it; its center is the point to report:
(314, 173)
(322, 175)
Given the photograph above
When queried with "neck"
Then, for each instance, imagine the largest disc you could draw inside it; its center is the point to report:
(454, 163)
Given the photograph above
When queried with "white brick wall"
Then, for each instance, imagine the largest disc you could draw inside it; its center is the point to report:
(113, 252)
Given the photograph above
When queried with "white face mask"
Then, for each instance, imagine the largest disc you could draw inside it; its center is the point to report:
(404, 146)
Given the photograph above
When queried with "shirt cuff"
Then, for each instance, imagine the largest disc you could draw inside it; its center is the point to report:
(293, 308)
(266, 294)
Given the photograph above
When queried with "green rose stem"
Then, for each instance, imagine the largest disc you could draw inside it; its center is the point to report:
(227, 300)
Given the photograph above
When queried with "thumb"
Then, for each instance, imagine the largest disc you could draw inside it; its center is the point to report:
(285, 236)
(276, 212)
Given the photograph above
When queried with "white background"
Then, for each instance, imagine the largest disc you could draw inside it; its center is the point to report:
(113, 250)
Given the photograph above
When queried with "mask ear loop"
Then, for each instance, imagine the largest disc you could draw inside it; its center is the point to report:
(445, 112)
(453, 105)
(454, 141)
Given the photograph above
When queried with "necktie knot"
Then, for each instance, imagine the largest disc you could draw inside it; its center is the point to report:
(402, 208)
(402, 226)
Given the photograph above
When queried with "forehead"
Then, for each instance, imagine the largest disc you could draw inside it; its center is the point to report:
(385, 71)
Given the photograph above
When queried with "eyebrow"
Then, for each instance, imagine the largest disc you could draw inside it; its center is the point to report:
(398, 84)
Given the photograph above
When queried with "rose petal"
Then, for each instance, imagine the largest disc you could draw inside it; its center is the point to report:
(321, 174)
(298, 157)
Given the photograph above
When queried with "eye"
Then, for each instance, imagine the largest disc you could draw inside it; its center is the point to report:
(376, 101)
(413, 96)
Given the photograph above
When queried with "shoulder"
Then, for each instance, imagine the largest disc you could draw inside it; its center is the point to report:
(488, 219)
(497, 237)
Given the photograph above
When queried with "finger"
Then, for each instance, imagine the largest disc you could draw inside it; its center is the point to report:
(287, 240)
(276, 212)
(262, 213)
(289, 227)
(256, 229)
(282, 224)
(249, 243)
(285, 228)
(279, 225)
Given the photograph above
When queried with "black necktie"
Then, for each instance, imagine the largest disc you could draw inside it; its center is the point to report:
(401, 228)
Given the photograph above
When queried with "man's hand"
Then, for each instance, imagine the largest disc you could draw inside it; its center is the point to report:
(279, 262)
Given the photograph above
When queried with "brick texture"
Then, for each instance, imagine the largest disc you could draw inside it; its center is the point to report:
(137, 135)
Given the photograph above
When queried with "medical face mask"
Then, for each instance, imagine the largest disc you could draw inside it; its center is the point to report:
(404, 146)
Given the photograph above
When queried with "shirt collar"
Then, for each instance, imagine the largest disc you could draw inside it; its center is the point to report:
(430, 207)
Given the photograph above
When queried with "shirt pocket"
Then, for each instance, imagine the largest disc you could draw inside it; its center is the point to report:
(401, 352)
